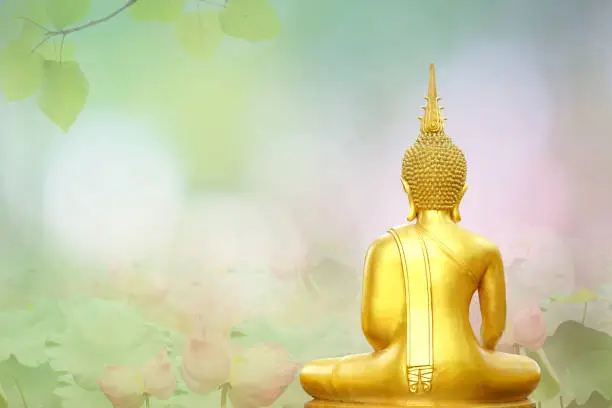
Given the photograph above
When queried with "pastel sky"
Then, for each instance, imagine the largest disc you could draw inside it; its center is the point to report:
(281, 151)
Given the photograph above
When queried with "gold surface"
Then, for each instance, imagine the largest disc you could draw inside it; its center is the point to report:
(418, 283)
(328, 404)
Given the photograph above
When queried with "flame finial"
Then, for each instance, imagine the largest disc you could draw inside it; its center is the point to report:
(432, 121)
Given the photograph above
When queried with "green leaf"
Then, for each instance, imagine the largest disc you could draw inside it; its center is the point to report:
(101, 333)
(596, 400)
(34, 26)
(64, 13)
(251, 20)
(3, 400)
(25, 332)
(13, 16)
(581, 296)
(549, 386)
(56, 51)
(585, 381)
(585, 356)
(64, 93)
(21, 72)
(10, 25)
(235, 334)
(35, 385)
(160, 11)
(76, 397)
(199, 33)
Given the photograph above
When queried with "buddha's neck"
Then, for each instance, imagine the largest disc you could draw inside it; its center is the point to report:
(429, 217)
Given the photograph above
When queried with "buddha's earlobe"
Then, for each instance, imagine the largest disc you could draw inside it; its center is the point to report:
(455, 214)
(412, 211)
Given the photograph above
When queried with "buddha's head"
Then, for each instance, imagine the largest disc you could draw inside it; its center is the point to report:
(434, 170)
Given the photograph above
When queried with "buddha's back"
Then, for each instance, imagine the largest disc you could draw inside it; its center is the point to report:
(422, 277)
(455, 260)
(418, 283)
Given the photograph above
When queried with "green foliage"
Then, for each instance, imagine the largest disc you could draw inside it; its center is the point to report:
(596, 400)
(10, 12)
(580, 296)
(21, 72)
(64, 93)
(64, 13)
(199, 33)
(549, 386)
(235, 334)
(3, 400)
(586, 355)
(160, 11)
(25, 332)
(100, 333)
(74, 396)
(189, 400)
(56, 51)
(251, 20)
(34, 385)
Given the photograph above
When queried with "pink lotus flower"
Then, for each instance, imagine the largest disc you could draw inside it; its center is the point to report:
(192, 303)
(128, 388)
(260, 375)
(256, 377)
(207, 363)
(529, 327)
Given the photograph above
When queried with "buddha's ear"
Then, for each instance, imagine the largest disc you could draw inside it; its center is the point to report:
(412, 211)
(456, 216)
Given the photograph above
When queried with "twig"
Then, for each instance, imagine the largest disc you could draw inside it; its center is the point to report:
(49, 34)
(29, 20)
(584, 312)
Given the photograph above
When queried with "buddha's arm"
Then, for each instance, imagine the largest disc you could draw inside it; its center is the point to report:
(492, 294)
(383, 293)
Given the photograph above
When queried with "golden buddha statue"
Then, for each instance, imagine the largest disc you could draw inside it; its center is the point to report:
(418, 283)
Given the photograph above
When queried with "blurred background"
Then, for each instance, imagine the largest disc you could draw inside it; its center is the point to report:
(269, 169)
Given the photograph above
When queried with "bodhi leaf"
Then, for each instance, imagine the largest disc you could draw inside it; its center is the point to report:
(64, 93)
(34, 385)
(56, 51)
(64, 13)
(251, 20)
(159, 11)
(10, 10)
(199, 33)
(580, 296)
(21, 72)
(17, 15)
(585, 355)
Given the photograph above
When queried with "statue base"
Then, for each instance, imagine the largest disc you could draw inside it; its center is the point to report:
(421, 404)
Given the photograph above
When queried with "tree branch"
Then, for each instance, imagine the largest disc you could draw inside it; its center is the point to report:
(49, 34)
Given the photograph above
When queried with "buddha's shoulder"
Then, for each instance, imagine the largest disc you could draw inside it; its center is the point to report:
(457, 234)
(386, 241)
(478, 241)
